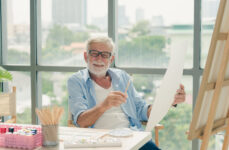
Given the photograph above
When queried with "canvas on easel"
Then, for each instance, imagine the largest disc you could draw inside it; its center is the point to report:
(211, 112)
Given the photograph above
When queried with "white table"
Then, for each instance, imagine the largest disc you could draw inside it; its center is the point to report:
(134, 142)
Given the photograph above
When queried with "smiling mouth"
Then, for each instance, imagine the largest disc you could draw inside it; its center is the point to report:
(98, 65)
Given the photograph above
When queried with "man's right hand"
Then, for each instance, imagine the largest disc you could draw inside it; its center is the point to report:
(114, 99)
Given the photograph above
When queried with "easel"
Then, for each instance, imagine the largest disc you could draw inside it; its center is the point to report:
(213, 125)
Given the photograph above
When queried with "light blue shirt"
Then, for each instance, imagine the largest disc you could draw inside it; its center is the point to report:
(82, 96)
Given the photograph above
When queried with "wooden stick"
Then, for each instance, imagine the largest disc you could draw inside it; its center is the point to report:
(39, 114)
(206, 72)
(45, 116)
(56, 112)
(215, 99)
(61, 110)
(226, 138)
(50, 115)
(128, 84)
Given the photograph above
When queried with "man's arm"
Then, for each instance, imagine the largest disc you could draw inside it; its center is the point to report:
(141, 106)
(90, 116)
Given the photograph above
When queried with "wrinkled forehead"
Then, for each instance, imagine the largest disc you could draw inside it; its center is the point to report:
(100, 46)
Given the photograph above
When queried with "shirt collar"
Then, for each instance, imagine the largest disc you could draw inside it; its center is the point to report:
(86, 75)
(110, 71)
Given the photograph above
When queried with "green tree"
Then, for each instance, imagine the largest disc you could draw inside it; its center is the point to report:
(81, 36)
(93, 27)
(141, 28)
(15, 56)
(176, 123)
(58, 37)
(25, 116)
(141, 50)
(47, 85)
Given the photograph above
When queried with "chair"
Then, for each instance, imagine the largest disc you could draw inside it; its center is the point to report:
(8, 105)
(156, 128)
(70, 124)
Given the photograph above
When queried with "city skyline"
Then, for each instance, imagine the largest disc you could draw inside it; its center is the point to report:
(170, 11)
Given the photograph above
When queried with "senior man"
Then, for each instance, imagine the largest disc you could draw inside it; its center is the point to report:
(97, 97)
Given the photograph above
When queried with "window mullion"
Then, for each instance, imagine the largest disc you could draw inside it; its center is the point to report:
(196, 58)
(35, 26)
(3, 30)
(112, 23)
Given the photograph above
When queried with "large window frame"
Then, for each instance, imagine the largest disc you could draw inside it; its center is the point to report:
(35, 43)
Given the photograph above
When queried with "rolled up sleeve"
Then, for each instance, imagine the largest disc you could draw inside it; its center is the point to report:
(140, 104)
(77, 100)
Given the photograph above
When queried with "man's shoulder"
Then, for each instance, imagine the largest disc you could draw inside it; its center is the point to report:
(119, 73)
(79, 75)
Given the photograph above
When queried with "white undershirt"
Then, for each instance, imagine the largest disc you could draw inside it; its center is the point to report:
(112, 118)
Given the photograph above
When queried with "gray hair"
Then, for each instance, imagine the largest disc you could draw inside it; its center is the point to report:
(101, 39)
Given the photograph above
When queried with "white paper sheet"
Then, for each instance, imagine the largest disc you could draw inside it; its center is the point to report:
(171, 81)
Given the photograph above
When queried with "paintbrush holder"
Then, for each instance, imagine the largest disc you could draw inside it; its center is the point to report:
(50, 135)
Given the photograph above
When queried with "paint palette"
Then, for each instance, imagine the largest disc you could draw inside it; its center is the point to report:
(121, 132)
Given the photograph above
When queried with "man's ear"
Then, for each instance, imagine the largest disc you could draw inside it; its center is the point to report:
(112, 59)
(85, 56)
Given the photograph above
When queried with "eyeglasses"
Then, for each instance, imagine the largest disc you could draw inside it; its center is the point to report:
(95, 53)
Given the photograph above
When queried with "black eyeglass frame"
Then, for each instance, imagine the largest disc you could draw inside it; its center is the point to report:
(103, 54)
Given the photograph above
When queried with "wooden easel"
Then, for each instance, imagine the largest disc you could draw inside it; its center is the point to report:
(213, 125)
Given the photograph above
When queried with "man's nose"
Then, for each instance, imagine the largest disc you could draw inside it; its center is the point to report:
(99, 57)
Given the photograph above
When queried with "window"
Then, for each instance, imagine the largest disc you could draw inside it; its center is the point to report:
(177, 120)
(209, 12)
(17, 41)
(22, 82)
(148, 30)
(54, 91)
(66, 25)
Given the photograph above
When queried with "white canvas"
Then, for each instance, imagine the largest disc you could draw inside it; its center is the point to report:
(171, 81)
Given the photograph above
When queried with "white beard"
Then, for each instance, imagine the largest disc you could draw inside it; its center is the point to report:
(98, 71)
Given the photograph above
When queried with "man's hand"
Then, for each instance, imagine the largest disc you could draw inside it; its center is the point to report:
(114, 99)
(179, 96)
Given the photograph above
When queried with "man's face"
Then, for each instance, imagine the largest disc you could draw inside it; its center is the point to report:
(98, 64)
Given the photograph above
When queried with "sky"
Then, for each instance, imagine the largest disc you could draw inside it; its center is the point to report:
(173, 11)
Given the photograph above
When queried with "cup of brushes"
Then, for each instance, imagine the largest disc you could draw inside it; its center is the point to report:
(50, 117)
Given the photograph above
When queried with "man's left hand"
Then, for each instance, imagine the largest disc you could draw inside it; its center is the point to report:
(180, 95)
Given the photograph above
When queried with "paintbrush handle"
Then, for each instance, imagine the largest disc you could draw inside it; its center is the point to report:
(127, 86)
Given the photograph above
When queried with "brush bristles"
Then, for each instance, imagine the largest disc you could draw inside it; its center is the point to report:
(50, 115)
